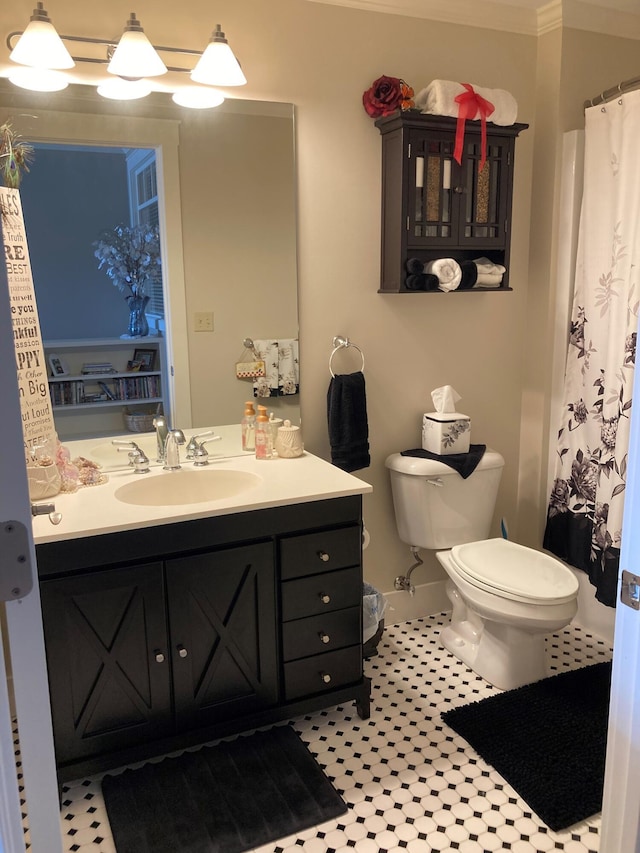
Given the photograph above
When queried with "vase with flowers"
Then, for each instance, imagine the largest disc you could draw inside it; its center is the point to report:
(130, 255)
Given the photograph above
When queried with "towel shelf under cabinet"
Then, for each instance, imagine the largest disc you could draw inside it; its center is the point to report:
(433, 207)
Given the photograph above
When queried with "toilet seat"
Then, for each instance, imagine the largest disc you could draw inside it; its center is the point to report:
(514, 571)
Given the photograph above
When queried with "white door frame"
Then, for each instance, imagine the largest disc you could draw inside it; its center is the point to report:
(26, 641)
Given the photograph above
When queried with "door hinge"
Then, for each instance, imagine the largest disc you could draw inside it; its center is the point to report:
(16, 578)
(630, 590)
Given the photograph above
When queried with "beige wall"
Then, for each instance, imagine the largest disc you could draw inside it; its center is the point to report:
(321, 58)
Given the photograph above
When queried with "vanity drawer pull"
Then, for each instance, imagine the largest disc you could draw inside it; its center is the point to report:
(159, 656)
(326, 678)
(324, 637)
(325, 598)
(323, 556)
(182, 651)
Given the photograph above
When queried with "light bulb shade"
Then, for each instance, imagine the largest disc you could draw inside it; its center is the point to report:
(38, 79)
(40, 46)
(118, 89)
(135, 56)
(218, 66)
(198, 98)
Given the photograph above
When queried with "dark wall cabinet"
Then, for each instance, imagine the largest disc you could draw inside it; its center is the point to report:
(433, 207)
(170, 636)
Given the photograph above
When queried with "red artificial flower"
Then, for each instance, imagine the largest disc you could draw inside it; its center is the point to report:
(386, 95)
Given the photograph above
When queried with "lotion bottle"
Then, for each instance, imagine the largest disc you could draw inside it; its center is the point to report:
(249, 428)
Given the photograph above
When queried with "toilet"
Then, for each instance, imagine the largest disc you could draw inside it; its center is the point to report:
(505, 596)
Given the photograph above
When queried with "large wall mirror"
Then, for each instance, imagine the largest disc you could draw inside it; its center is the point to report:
(227, 211)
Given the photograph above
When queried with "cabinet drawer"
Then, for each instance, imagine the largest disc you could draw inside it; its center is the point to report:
(321, 593)
(322, 672)
(319, 552)
(323, 633)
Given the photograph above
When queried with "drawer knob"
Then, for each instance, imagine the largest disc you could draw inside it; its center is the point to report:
(323, 556)
(182, 651)
(159, 656)
(325, 598)
(324, 637)
(326, 678)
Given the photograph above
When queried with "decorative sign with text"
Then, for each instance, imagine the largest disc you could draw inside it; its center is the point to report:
(37, 417)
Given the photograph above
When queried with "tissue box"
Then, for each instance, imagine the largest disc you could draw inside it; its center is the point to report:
(446, 432)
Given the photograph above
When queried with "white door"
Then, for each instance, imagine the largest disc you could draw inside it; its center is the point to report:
(621, 807)
(25, 640)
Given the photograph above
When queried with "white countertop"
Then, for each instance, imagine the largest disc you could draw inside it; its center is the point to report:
(94, 510)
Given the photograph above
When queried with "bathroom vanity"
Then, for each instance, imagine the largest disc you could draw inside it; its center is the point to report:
(167, 626)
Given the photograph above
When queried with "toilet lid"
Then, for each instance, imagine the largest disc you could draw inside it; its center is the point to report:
(514, 571)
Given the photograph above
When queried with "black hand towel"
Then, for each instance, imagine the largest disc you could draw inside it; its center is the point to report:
(347, 420)
(464, 463)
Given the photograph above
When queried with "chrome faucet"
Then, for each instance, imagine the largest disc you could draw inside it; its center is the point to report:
(137, 457)
(162, 430)
(175, 438)
(195, 442)
(201, 454)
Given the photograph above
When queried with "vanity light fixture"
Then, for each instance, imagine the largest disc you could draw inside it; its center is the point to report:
(132, 60)
(119, 89)
(198, 97)
(40, 46)
(38, 79)
(135, 57)
(218, 65)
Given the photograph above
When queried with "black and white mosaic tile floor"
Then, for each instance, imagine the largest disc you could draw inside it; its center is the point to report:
(411, 783)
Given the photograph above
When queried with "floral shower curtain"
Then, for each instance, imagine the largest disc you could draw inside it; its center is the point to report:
(584, 520)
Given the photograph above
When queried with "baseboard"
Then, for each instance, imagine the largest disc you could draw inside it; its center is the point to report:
(429, 598)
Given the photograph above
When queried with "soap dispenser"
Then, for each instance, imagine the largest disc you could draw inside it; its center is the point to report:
(249, 427)
(264, 445)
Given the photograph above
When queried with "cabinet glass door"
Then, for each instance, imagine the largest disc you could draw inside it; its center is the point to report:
(456, 205)
(431, 177)
(483, 215)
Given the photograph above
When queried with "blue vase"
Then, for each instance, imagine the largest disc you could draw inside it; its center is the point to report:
(138, 323)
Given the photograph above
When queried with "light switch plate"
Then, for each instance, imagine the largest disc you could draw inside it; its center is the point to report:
(203, 321)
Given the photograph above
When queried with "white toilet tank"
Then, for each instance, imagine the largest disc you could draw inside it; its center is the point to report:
(435, 507)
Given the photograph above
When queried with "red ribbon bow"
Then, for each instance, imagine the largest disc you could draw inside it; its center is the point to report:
(470, 104)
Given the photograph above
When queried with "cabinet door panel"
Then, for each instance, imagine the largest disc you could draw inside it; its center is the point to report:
(223, 633)
(103, 631)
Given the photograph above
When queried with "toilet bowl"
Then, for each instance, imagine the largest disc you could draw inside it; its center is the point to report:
(505, 596)
(505, 599)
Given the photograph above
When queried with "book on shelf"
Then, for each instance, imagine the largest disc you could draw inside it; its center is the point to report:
(98, 367)
(107, 390)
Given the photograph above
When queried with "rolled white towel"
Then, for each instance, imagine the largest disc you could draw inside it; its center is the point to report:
(448, 272)
(438, 98)
(486, 266)
(489, 279)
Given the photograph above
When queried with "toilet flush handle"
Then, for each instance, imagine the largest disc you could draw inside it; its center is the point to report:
(435, 482)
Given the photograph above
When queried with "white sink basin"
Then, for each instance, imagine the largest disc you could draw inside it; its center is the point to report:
(178, 488)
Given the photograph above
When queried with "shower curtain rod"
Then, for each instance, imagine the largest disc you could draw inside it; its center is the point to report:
(614, 92)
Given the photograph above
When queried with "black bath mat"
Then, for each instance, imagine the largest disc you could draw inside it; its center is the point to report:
(227, 798)
(548, 740)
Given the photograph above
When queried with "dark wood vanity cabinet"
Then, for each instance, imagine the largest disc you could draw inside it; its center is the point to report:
(169, 636)
(433, 207)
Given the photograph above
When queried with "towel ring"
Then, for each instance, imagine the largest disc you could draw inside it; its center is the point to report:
(342, 343)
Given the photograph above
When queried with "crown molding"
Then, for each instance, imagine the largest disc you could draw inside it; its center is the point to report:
(509, 16)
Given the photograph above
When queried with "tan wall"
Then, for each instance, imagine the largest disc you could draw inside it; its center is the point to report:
(322, 58)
